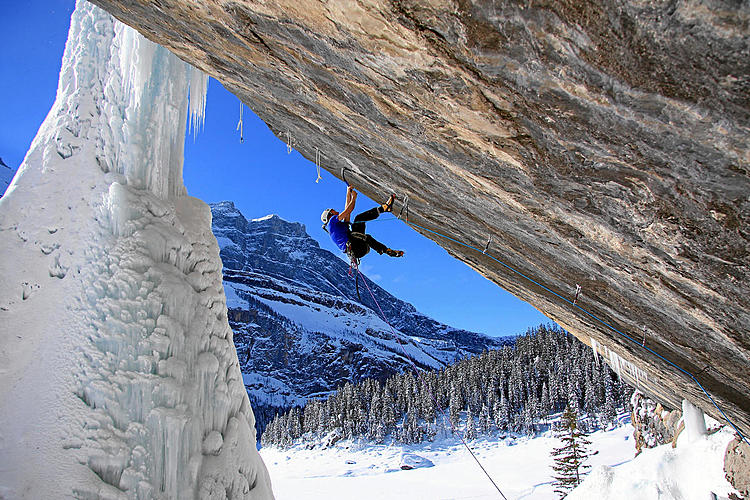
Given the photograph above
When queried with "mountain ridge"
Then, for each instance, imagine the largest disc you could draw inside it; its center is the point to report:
(299, 328)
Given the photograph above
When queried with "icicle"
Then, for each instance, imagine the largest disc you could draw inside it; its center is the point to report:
(288, 143)
(317, 164)
(594, 348)
(136, 61)
(198, 85)
(614, 361)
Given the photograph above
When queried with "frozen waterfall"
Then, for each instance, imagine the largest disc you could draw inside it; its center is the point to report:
(119, 375)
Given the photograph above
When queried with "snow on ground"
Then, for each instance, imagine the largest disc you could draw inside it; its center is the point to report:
(520, 466)
(691, 471)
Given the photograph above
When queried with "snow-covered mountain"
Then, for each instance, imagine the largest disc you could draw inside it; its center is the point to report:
(6, 175)
(299, 327)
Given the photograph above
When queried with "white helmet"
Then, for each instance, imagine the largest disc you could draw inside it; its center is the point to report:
(326, 215)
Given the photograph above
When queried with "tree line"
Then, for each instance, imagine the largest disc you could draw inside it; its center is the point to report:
(513, 389)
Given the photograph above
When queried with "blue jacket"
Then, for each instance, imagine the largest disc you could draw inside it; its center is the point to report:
(339, 232)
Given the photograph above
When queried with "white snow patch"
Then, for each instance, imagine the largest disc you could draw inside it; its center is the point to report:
(692, 471)
(267, 217)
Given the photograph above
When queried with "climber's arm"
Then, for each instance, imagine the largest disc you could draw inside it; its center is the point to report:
(351, 200)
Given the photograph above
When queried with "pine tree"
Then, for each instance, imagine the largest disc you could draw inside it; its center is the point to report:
(569, 459)
(471, 429)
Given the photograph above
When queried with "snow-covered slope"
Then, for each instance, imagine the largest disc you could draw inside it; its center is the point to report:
(520, 466)
(118, 376)
(691, 470)
(299, 327)
(6, 176)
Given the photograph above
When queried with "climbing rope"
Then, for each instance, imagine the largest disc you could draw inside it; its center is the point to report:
(239, 124)
(426, 386)
(317, 164)
(594, 317)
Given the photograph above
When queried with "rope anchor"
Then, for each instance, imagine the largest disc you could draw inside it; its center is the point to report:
(404, 209)
(343, 175)
(487, 246)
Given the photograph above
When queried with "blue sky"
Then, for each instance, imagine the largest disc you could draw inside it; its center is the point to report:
(258, 175)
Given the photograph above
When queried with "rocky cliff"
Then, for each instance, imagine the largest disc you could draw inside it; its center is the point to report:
(603, 144)
(299, 328)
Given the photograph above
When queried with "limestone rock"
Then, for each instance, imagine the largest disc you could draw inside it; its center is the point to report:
(653, 425)
(737, 466)
(599, 143)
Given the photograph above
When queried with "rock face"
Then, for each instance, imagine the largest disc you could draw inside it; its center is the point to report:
(737, 466)
(604, 145)
(300, 329)
(653, 425)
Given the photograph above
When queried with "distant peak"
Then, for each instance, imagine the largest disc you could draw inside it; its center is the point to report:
(221, 205)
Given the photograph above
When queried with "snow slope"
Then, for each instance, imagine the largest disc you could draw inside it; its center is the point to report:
(693, 470)
(521, 467)
(119, 376)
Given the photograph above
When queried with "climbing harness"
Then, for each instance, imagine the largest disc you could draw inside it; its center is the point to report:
(239, 124)
(317, 164)
(425, 385)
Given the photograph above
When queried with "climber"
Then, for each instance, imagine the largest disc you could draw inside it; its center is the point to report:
(351, 238)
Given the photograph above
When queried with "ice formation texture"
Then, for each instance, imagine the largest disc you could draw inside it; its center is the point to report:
(120, 378)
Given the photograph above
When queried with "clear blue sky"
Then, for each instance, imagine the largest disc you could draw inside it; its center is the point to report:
(258, 175)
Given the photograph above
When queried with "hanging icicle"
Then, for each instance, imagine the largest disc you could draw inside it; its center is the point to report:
(317, 164)
(239, 125)
(288, 143)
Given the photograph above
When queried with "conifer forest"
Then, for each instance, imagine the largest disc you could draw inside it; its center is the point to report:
(511, 390)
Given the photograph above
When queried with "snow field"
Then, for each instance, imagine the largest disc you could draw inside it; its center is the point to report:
(521, 467)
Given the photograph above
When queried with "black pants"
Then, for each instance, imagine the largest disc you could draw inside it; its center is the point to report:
(361, 243)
